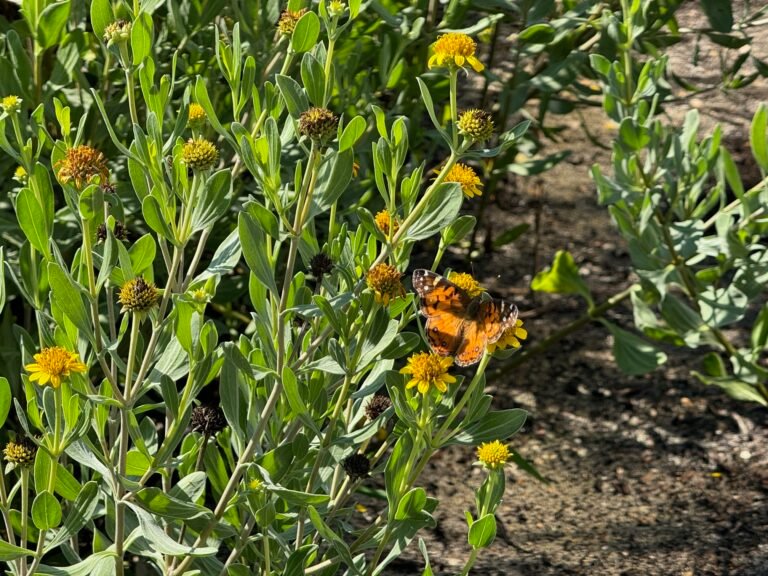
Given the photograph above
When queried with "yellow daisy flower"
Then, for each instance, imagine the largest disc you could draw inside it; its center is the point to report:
(493, 454)
(455, 49)
(467, 178)
(510, 337)
(384, 280)
(467, 283)
(53, 364)
(428, 369)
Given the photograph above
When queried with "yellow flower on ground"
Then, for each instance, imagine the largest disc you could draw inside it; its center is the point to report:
(428, 369)
(52, 365)
(80, 165)
(384, 280)
(476, 124)
(510, 337)
(385, 221)
(455, 49)
(467, 178)
(493, 454)
(467, 283)
(196, 116)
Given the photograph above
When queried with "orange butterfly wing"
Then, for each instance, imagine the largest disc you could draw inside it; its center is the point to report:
(457, 324)
(444, 305)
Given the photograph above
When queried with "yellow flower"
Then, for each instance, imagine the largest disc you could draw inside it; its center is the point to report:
(21, 452)
(11, 104)
(467, 178)
(196, 116)
(318, 123)
(476, 124)
(455, 49)
(199, 154)
(53, 364)
(288, 20)
(138, 295)
(117, 32)
(80, 165)
(384, 280)
(336, 8)
(20, 175)
(493, 454)
(256, 485)
(510, 337)
(384, 221)
(467, 283)
(428, 369)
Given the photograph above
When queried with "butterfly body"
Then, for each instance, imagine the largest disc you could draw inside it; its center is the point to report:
(458, 324)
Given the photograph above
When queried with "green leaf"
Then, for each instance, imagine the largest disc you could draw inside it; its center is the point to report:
(295, 99)
(33, 222)
(735, 388)
(633, 354)
(10, 552)
(136, 463)
(46, 511)
(757, 137)
(440, 211)
(306, 32)
(458, 229)
(161, 542)
(313, 77)
(158, 502)
(498, 425)
(632, 135)
(537, 34)
(5, 399)
(51, 24)
(330, 536)
(253, 242)
(719, 14)
(156, 219)
(562, 278)
(352, 132)
(509, 236)
(68, 298)
(214, 201)
(80, 513)
(482, 532)
(411, 504)
(101, 16)
(141, 38)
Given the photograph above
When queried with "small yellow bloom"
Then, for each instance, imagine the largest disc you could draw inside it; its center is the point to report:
(196, 116)
(336, 8)
(11, 104)
(199, 154)
(455, 49)
(386, 222)
(467, 178)
(138, 295)
(20, 175)
(360, 508)
(476, 124)
(21, 452)
(493, 454)
(117, 32)
(428, 369)
(288, 20)
(510, 337)
(384, 280)
(256, 485)
(80, 165)
(467, 283)
(52, 365)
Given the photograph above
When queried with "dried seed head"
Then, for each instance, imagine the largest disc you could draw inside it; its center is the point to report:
(318, 123)
(208, 420)
(356, 466)
(377, 406)
(384, 280)
(288, 19)
(80, 165)
(320, 264)
(119, 231)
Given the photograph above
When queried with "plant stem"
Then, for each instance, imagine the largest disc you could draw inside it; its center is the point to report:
(470, 562)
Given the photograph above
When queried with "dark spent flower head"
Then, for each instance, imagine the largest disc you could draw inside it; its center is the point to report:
(320, 264)
(377, 406)
(138, 295)
(21, 451)
(318, 123)
(208, 420)
(356, 466)
(476, 124)
(119, 231)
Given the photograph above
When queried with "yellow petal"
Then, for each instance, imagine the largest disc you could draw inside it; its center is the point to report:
(55, 380)
(521, 333)
(459, 59)
(423, 386)
(475, 63)
(411, 384)
(32, 367)
(448, 378)
(42, 377)
(440, 385)
(406, 369)
(434, 61)
(515, 343)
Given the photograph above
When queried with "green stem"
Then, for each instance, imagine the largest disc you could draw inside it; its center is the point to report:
(454, 109)
(470, 562)
(464, 399)
(328, 89)
(24, 507)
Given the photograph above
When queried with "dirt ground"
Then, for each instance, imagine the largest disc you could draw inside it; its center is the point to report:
(652, 475)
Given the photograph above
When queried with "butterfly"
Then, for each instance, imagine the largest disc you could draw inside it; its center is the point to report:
(457, 324)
